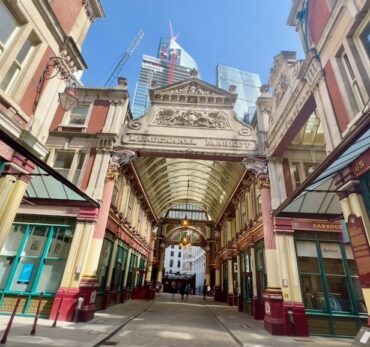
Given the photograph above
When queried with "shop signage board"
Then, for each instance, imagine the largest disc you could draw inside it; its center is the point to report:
(315, 225)
(360, 247)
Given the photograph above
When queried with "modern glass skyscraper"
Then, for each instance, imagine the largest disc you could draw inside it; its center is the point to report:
(247, 87)
(158, 69)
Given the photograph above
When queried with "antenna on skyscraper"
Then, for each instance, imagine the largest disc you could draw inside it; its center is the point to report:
(130, 50)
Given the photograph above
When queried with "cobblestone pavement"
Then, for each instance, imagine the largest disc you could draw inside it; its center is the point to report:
(166, 322)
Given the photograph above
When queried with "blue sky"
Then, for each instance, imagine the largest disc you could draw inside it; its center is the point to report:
(245, 34)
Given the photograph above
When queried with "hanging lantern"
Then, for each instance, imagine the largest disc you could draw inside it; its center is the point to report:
(68, 99)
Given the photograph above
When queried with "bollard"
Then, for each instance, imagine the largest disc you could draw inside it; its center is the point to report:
(7, 330)
(33, 331)
(58, 311)
(79, 304)
(291, 321)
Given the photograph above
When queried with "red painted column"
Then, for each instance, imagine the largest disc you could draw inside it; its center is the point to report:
(273, 298)
(89, 283)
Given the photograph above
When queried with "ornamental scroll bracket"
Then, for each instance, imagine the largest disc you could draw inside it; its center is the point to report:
(256, 165)
(124, 157)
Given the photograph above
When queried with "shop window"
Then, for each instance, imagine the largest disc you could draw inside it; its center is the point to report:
(328, 276)
(33, 258)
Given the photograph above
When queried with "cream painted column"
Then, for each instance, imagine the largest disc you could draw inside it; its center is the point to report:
(127, 267)
(326, 114)
(230, 291)
(112, 264)
(239, 275)
(149, 265)
(254, 273)
(217, 275)
(289, 268)
(161, 265)
(13, 186)
(77, 255)
(272, 269)
(12, 191)
(208, 267)
(353, 207)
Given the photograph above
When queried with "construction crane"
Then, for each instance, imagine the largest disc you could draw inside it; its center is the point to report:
(134, 43)
(172, 51)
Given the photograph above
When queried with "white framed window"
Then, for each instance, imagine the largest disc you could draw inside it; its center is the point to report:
(70, 164)
(78, 116)
(18, 64)
(8, 26)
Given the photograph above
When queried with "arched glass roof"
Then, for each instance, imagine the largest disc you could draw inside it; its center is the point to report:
(205, 184)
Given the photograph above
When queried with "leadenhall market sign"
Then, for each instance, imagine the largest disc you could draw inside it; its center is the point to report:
(190, 116)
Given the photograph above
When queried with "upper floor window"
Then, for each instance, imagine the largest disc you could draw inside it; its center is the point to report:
(179, 254)
(365, 38)
(8, 26)
(78, 115)
(69, 165)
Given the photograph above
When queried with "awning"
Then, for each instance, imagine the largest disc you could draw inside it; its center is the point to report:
(318, 194)
(46, 183)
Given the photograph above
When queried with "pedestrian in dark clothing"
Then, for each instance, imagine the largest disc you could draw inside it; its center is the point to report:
(187, 290)
(204, 290)
(182, 290)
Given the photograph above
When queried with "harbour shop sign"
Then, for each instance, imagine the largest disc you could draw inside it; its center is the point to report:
(133, 141)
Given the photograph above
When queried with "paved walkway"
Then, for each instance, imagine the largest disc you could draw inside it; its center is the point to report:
(166, 322)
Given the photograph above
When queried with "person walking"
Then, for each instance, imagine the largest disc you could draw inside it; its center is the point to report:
(173, 289)
(187, 290)
(182, 290)
(204, 290)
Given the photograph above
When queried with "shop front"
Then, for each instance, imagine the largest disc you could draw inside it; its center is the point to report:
(246, 285)
(33, 258)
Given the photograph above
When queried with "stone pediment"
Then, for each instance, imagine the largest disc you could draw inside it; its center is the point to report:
(192, 91)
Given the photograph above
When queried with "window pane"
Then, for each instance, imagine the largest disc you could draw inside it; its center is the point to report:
(307, 257)
(51, 276)
(63, 162)
(338, 293)
(296, 174)
(365, 38)
(312, 292)
(60, 243)
(332, 258)
(25, 274)
(7, 23)
(350, 260)
(13, 241)
(24, 51)
(360, 301)
(78, 115)
(36, 241)
(5, 266)
(10, 77)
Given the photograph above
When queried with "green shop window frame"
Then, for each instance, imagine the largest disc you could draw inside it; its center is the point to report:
(26, 257)
(330, 320)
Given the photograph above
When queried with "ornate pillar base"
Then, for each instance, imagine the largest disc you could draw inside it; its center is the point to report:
(218, 294)
(258, 309)
(296, 323)
(66, 299)
(123, 295)
(230, 299)
(240, 304)
(88, 288)
(107, 298)
(274, 317)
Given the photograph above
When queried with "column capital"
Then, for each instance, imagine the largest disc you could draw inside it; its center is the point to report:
(256, 165)
(112, 173)
(263, 182)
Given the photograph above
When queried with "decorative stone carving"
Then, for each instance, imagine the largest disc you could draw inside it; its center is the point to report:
(88, 9)
(245, 132)
(280, 88)
(258, 166)
(135, 125)
(123, 157)
(190, 118)
(193, 89)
